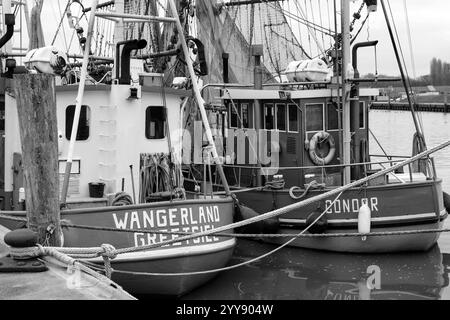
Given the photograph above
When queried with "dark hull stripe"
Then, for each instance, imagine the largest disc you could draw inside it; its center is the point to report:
(349, 226)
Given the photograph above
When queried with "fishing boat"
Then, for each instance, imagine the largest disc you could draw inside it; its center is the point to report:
(119, 161)
(301, 135)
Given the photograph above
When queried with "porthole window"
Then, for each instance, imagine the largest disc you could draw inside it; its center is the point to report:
(83, 124)
(155, 123)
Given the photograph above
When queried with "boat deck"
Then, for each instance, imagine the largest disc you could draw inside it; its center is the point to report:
(28, 285)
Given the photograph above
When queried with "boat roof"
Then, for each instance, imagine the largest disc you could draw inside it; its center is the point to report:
(254, 94)
(149, 89)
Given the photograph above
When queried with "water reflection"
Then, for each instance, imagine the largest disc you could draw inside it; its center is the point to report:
(301, 274)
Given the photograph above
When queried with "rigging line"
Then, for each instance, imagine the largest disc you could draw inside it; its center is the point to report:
(233, 23)
(61, 22)
(417, 119)
(413, 98)
(303, 20)
(293, 44)
(404, 62)
(313, 19)
(252, 22)
(268, 45)
(360, 29)
(329, 20)
(310, 32)
(321, 22)
(275, 62)
(288, 42)
(299, 35)
(408, 28)
(399, 45)
(278, 25)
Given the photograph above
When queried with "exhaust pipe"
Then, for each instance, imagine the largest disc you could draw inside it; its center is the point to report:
(355, 54)
(10, 20)
(125, 76)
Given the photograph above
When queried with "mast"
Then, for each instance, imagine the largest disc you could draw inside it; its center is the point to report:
(198, 96)
(345, 29)
(79, 101)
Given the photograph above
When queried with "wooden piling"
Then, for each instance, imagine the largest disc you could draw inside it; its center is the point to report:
(36, 106)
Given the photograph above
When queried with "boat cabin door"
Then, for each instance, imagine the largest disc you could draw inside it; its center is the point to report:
(283, 126)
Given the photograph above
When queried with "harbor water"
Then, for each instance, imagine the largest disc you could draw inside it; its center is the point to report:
(301, 274)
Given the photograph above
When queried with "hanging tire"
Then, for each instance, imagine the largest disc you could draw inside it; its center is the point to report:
(317, 139)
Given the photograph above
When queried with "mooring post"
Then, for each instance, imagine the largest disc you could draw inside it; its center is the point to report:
(36, 107)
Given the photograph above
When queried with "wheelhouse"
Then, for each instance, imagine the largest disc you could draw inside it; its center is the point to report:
(118, 128)
(281, 127)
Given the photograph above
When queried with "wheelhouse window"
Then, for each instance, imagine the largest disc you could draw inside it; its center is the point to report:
(241, 115)
(333, 117)
(314, 117)
(247, 115)
(235, 112)
(362, 115)
(269, 117)
(281, 117)
(293, 118)
(155, 122)
(83, 124)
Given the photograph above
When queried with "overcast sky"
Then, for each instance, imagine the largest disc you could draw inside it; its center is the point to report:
(430, 32)
(429, 23)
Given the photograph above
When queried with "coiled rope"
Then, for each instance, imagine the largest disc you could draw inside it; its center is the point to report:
(313, 184)
(58, 254)
(122, 199)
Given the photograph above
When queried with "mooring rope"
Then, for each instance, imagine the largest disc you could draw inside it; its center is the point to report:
(235, 265)
(93, 251)
(110, 252)
(38, 251)
(294, 206)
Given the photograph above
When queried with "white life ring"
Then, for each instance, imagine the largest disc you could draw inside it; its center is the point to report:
(321, 137)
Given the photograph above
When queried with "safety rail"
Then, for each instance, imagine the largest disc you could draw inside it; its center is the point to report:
(400, 175)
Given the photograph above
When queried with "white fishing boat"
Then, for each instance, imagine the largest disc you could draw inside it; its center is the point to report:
(118, 155)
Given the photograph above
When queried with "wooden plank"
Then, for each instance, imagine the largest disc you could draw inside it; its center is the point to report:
(36, 106)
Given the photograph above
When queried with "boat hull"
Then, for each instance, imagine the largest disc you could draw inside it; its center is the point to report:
(375, 244)
(400, 207)
(195, 255)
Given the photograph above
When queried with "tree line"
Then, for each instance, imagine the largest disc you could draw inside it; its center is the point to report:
(439, 76)
(439, 72)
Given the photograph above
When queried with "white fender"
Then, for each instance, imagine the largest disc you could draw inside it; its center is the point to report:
(364, 219)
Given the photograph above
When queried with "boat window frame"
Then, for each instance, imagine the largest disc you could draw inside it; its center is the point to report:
(298, 110)
(232, 105)
(363, 103)
(276, 116)
(165, 122)
(251, 115)
(338, 126)
(323, 116)
(238, 105)
(68, 133)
